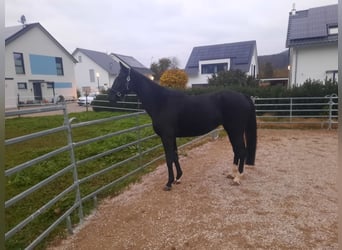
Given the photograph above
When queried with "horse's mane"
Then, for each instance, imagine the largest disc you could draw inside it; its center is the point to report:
(156, 88)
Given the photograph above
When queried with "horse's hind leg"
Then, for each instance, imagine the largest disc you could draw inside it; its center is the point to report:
(239, 149)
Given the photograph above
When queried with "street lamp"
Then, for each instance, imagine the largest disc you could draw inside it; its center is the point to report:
(98, 81)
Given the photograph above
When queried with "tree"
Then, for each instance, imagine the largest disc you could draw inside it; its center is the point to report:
(174, 78)
(162, 65)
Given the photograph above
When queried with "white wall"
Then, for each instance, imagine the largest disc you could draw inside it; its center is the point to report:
(203, 78)
(83, 77)
(35, 42)
(312, 62)
(254, 62)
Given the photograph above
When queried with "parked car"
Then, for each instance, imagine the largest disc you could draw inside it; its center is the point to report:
(86, 100)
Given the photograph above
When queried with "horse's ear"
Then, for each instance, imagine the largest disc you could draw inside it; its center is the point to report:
(123, 66)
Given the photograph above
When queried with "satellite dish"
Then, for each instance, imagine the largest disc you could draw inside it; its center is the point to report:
(22, 20)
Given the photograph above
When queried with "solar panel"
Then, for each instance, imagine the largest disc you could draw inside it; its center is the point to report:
(240, 51)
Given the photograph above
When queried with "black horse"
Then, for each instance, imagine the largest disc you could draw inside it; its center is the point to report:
(175, 114)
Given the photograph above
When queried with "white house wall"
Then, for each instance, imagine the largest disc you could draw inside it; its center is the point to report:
(35, 42)
(312, 63)
(200, 78)
(254, 67)
(83, 76)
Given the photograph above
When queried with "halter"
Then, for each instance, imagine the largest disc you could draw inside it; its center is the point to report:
(128, 80)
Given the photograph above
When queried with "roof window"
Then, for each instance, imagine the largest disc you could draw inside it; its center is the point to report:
(332, 29)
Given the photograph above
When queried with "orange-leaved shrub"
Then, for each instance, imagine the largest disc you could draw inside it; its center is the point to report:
(174, 78)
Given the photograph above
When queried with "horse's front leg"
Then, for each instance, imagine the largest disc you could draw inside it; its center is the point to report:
(169, 155)
(178, 167)
(171, 179)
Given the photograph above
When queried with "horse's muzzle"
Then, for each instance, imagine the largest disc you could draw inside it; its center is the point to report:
(112, 97)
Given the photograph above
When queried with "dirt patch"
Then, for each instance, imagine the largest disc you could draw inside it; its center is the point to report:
(287, 201)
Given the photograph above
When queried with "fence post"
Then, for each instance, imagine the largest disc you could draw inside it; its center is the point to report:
(291, 107)
(331, 104)
(69, 225)
(330, 111)
(2, 128)
(73, 161)
(139, 138)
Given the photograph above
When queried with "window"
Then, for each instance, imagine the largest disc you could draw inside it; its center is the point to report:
(59, 66)
(332, 29)
(213, 68)
(22, 85)
(92, 75)
(49, 85)
(80, 58)
(19, 63)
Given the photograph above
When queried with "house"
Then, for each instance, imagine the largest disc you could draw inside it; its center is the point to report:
(312, 38)
(37, 67)
(274, 69)
(207, 60)
(96, 71)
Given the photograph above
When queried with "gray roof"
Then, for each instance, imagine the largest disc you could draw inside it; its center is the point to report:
(102, 59)
(14, 32)
(240, 54)
(11, 31)
(107, 62)
(311, 26)
(135, 64)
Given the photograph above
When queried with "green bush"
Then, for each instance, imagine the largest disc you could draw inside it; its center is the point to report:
(309, 88)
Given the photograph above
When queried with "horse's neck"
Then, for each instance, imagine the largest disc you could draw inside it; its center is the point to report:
(149, 94)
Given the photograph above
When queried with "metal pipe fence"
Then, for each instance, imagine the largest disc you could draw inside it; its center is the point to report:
(83, 171)
(298, 110)
(79, 180)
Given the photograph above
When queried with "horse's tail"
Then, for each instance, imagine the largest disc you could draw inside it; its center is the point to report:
(251, 135)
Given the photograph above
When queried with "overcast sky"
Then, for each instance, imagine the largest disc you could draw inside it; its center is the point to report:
(151, 29)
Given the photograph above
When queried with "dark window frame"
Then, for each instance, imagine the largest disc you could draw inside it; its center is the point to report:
(22, 85)
(59, 66)
(332, 29)
(49, 85)
(213, 68)
(19, 63)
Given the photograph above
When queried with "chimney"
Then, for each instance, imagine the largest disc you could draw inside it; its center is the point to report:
(293, 11)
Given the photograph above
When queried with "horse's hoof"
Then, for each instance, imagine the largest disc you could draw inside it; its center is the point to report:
(167, 188)
(236, 182)
(230, 176)
(177, 182)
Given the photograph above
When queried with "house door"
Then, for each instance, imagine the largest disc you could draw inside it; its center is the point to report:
(37, 91)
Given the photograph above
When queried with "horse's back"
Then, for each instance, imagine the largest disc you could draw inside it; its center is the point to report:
(196, 115)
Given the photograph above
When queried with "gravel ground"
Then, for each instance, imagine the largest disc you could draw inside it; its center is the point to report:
(288, 200)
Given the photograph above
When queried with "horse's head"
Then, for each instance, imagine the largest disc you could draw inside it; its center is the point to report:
(121, 84)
